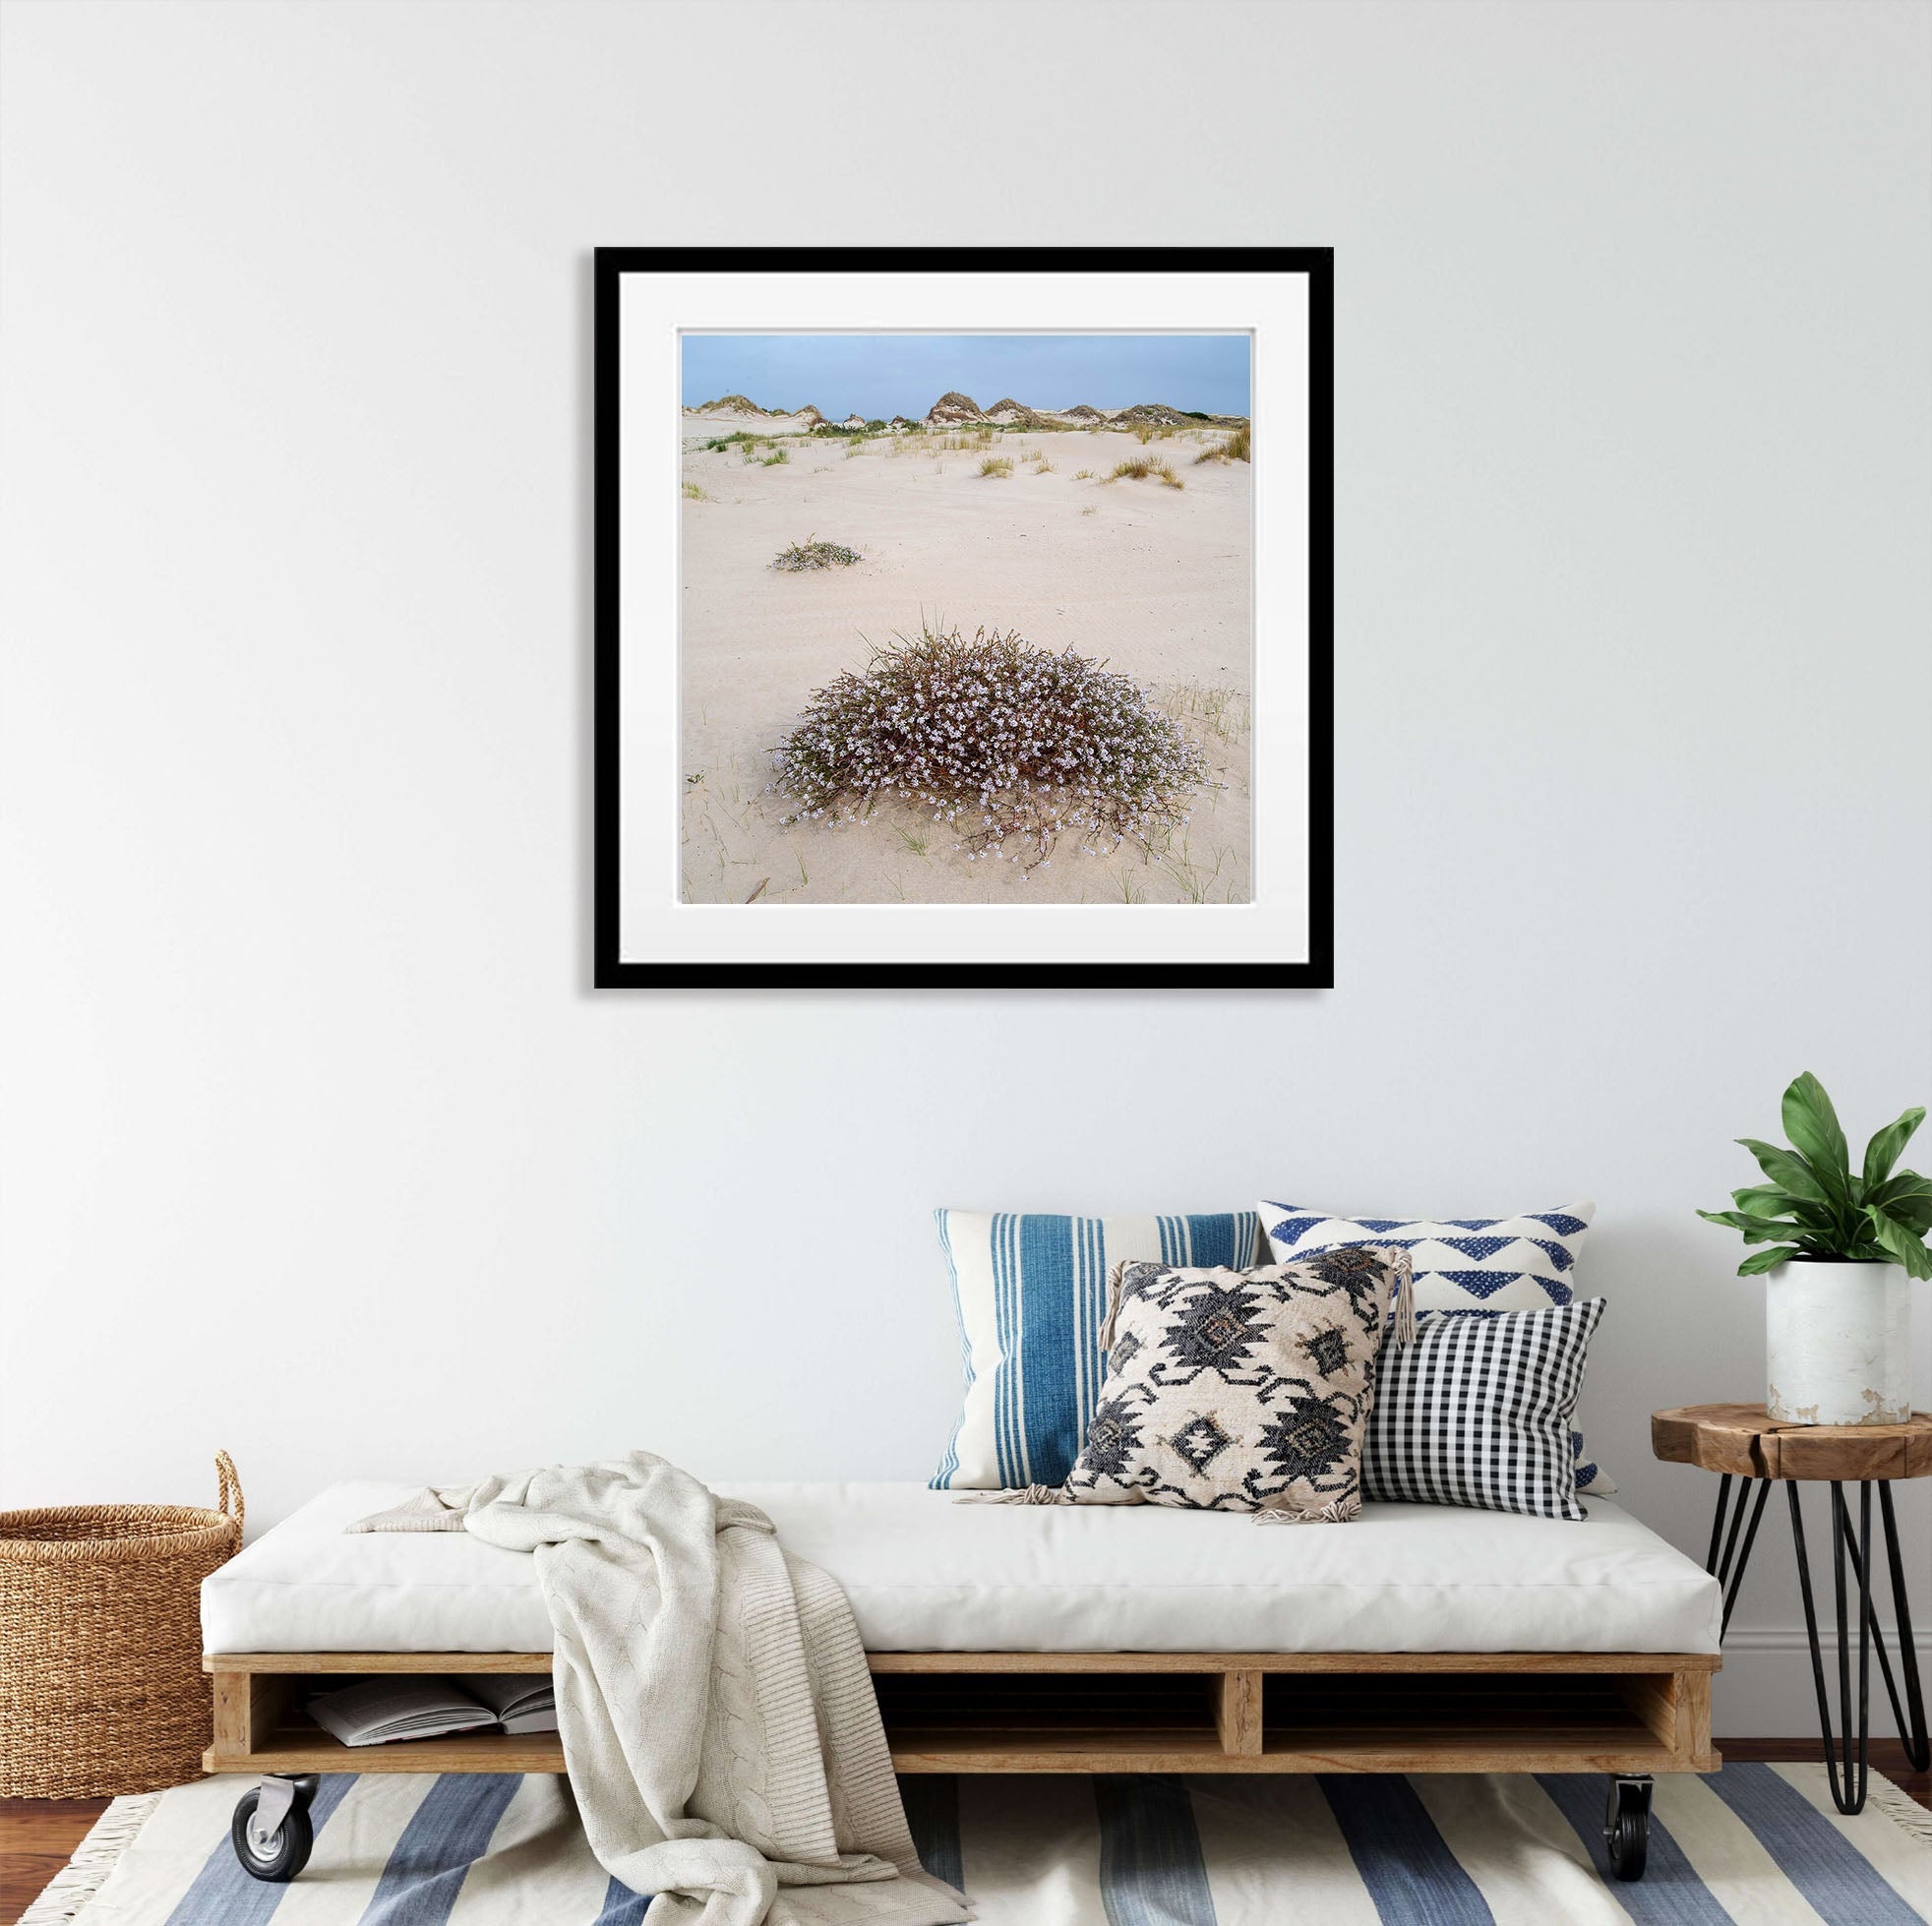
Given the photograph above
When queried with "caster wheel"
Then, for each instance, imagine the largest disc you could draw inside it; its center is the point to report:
(1627, 1827)
(289, 1850)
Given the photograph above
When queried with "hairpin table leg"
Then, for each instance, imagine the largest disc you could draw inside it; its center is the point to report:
(1729, 1569)
(1908, 1717)
(1847, 1758)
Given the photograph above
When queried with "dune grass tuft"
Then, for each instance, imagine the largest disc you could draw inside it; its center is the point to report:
(775, 460)
(1141, 467)
(1008, 747)
(1234, 449)
(692, 492)
(812, 552)
(996, 465)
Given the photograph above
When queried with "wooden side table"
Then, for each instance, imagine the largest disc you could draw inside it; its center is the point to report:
(1743, 1443)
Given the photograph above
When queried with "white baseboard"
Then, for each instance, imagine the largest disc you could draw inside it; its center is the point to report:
(1766, 1690)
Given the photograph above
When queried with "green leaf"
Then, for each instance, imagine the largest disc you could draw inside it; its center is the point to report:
(1908, 1197)
(1766, 1200)
(1884, 1149)
(1757, 1228)
(1763, 1260)
(1901, 1244)
(1812, 1125)
(1787, 1169)
(1902, 1183)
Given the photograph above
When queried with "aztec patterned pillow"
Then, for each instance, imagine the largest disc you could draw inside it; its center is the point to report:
(1030, 1291)
(1242, 1390)
(1475, 1410)
(1481, 1264)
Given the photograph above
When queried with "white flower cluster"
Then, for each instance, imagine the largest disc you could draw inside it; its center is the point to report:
(1001, 741)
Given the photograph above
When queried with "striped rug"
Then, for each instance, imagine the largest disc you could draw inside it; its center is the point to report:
(1756, 1845)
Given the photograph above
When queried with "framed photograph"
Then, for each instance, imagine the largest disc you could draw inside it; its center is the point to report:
(964, 617)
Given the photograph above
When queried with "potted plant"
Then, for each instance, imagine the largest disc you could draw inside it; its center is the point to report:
(1841, 1247)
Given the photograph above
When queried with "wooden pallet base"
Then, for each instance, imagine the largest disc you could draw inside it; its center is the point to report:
(1111, 1711)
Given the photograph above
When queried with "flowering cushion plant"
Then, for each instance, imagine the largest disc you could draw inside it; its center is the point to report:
(1009, 748)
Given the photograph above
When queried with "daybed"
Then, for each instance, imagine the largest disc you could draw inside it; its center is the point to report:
(1008, 1638)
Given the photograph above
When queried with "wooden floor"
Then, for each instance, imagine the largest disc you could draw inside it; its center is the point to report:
(37, 1835)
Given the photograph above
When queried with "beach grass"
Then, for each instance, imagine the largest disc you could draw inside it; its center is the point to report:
(1235, 449)
(1142, 468)
(692, 492)
(813, 554)
(996, 466)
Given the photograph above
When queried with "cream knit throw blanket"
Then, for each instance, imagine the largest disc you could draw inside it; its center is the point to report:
(717, 1716)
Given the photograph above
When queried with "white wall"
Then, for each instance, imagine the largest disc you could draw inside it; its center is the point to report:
(318, 1146)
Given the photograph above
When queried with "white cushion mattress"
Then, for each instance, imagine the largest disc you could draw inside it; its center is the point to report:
(926, 1574)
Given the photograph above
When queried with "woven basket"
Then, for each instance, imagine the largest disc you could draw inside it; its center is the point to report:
(101, 1687)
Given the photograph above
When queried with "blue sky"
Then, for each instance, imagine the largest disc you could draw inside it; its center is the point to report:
(887, 374)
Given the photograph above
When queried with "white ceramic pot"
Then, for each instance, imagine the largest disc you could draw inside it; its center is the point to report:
(1839, 1344)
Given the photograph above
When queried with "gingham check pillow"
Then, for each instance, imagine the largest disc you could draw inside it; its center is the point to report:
(1475, 1410)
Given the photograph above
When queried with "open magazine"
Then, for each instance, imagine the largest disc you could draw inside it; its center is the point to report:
(411, 1706)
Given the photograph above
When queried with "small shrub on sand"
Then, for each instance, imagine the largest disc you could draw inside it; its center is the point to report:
(995, 465)
(1043, 467)
(692, 492)
(1005, 743)
(1090, 510)
(1234, 449)
(775, 460)
(812, 552)
(1141, 467)
(1083, 474)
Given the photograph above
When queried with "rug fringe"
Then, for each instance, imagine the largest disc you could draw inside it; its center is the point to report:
(1899, 1806)
(84, 1875)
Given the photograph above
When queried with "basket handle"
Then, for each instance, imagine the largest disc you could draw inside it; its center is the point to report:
(229, 1502)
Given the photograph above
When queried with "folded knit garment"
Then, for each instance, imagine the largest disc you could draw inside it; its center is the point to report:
(716, 1711)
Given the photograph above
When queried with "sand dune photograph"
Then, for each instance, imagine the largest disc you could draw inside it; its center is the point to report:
(965, 618)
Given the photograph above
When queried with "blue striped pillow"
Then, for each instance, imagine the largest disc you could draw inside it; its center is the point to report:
(1030, 1291)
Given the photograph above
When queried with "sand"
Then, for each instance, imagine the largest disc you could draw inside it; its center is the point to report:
(1153, 580)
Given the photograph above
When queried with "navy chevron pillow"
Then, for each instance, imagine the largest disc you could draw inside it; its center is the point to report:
(1481, 1265)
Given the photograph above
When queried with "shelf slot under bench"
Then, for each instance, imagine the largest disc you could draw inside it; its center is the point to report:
(1103, 1712)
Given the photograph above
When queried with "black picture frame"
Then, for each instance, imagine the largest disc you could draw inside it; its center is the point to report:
(612, 971)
